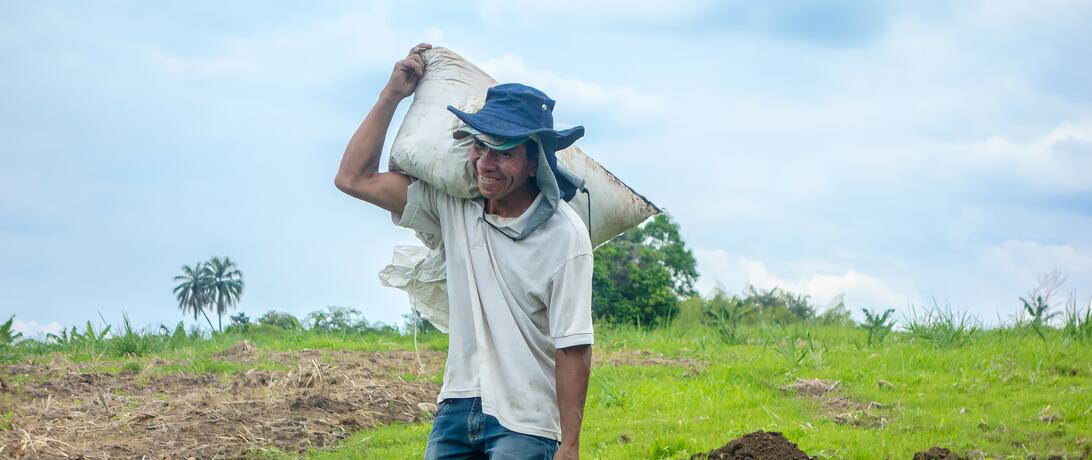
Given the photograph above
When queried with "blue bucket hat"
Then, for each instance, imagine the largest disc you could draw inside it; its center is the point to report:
(514, 113)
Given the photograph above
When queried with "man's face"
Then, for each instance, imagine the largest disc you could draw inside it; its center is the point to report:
(501, 172)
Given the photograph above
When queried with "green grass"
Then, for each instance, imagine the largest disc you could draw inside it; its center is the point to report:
(985, 393)
(956, 385)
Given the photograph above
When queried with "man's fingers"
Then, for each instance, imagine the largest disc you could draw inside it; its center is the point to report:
(419, 48)
(418, 64)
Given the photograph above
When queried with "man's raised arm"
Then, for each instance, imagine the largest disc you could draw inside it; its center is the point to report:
(359, 174)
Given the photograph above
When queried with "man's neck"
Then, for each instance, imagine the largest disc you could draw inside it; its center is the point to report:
(513, 204)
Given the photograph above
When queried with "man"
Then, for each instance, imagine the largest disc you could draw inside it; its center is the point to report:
(519, 270)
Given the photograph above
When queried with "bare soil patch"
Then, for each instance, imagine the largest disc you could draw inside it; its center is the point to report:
(760, 445)
(647, 358)
(62, 412)
(938, 453)
(842, 409)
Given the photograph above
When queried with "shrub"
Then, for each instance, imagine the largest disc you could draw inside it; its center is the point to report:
(280, 319)
(7, 336)
(240, 320)
(414, 319)
(778, 305)
(726, 314)
(336, 319)
(878, 325)
(1037, 302)
(836, 314)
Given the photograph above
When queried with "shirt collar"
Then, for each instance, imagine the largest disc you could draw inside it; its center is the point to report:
(512, 227)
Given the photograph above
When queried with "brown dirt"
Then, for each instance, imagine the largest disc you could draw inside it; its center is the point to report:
(842, 409)
(938, 453)
(63, 411)
(648, 358)
(760, 445)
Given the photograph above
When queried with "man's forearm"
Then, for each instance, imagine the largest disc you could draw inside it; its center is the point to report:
(362, 154)
(571, 371)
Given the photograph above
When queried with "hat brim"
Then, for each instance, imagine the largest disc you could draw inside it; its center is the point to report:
(494, 126)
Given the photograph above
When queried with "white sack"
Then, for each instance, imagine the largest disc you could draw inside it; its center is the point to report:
(425, 148)
(420, 272)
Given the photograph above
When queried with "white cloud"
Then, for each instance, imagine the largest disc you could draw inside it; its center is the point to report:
(1059, 161)
(303, 54)
(548, 14)
(623, 100)
(1019, 263)
(718, 267)
(33, 329)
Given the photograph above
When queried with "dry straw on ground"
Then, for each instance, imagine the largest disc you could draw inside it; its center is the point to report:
(61, 411)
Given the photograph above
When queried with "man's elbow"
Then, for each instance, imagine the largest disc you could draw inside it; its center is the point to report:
(351, 185)
(343, 183)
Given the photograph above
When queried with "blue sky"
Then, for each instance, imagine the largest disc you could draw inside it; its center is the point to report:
(893, 152)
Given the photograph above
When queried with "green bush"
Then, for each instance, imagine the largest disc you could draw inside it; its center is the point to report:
(7, 335)
(640, 276)
(878, 325)
(776, 305)
(280, 319)
(336, 319)
(726, 314)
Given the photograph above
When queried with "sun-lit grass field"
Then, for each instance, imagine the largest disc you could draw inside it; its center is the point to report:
(671, 392)
(1003, 394)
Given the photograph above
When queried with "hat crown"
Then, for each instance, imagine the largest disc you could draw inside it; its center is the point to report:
(520, 104)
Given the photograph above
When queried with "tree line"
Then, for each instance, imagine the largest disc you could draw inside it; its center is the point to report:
(642, 277)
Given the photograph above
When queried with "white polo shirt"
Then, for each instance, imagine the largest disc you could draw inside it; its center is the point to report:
(512, 303)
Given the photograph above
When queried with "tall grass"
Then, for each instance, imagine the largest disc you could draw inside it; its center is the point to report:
(942, 327)
(1077, 325)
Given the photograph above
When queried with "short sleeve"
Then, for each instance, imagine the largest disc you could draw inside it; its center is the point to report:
(569, 306)
(422, 211)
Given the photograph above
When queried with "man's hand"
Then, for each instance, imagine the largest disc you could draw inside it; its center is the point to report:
(567, 453)
(406, 74)
(358, 175)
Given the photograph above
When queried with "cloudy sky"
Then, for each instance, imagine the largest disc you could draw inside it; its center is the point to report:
(894, 153)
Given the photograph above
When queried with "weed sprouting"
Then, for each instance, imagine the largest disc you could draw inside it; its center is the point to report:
(1037, 302)
(878, 325)
(726, 314)
(7, 336)
(132, 342)
(795, 348)
(612, 394)
(942, 327)
(1076, 325)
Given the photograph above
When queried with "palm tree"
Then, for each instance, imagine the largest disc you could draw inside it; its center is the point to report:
(192, 292)
(225, 285)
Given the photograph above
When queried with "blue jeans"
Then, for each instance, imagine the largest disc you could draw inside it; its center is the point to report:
(461, 431)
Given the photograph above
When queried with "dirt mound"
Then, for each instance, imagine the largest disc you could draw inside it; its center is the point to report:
(67, 411)
(938, 453)
(243, 348)
(759, 445)
(839, 408)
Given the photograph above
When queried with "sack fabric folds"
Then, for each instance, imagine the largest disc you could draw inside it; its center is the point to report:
(426, 149)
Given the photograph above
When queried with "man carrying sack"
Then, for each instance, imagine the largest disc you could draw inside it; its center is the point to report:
(519, 271)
